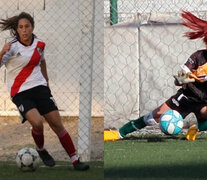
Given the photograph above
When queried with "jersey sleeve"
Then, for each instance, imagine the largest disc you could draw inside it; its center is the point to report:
(192, 62)
(8, 54)
(5, 57)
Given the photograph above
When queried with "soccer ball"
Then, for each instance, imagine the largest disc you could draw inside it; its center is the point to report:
(171, 122)
(27, 159)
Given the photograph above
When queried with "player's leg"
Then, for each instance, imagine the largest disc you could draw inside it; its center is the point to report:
(192, 133)
(201, 115)
(176, 102)
(54, 120)
(47, 107)
(149, 119)
(202, 119)
(28, 111)
(35, 119)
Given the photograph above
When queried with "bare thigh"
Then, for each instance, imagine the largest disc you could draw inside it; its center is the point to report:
(54, 120)
(159, 111)
(35, 119)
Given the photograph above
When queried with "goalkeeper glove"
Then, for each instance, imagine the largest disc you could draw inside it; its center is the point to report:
(183, 78)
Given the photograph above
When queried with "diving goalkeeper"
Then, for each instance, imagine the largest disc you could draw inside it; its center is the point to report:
(191, 97)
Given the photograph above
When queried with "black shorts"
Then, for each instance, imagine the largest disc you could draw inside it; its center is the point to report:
(184, 104)
(39, 97)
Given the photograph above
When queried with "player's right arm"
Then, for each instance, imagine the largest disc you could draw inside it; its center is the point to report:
(4, 50)
(185, 75)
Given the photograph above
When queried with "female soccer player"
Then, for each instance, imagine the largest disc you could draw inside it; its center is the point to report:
(28, 86)
(192, 97)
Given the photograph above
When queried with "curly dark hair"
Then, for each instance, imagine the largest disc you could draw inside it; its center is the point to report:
(12, 23)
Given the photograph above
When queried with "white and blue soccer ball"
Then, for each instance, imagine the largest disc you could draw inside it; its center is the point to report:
(27, 159)
(171, 122)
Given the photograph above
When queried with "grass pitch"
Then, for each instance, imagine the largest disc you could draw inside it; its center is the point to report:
(63, 170)
(156, 158)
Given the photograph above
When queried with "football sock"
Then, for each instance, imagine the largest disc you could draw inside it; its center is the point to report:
(132, 126)
(68, 145)
(202, 126)
(38, 137)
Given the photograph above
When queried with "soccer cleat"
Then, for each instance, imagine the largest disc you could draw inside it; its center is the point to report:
(111, 135)
(192, 133)
(46, 158)
(79, 166)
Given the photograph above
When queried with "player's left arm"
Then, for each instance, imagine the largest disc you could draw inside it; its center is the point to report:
(44, 70)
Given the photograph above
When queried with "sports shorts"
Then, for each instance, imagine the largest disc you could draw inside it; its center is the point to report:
(39, 97)
(184, 104)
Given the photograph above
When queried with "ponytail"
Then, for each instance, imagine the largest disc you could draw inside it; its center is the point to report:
(197, 25)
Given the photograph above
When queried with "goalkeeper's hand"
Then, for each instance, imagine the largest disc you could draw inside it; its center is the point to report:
(183, 78)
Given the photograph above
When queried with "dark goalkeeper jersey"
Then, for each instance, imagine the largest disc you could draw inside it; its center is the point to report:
(197, 64)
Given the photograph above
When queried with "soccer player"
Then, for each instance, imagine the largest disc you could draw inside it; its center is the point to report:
(28, 85)
(191, 97)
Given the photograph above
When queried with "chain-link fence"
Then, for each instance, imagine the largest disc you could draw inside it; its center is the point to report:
(142, 52)
(73, 33)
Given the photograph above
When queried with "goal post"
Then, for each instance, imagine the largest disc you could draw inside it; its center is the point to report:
(87, 13)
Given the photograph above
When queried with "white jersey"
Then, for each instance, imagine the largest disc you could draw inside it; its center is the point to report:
(23, 66)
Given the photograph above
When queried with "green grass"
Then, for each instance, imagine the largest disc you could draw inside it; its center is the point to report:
(62, 171)
(156, 158)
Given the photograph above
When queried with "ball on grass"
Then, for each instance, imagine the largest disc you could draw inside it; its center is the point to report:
(171, 122)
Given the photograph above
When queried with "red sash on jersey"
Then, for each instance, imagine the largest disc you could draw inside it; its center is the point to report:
(27, 70)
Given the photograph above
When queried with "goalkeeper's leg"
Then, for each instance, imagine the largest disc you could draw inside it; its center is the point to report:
(200, 126)
(149, 119)
(192, 133)
(194, 129)
(131, 126)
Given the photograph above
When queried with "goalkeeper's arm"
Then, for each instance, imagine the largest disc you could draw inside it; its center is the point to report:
(183, 78)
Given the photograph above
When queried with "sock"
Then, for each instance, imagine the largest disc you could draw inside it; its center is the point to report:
(38, 137)
(132, 126)
(202, 126)
(68, 145)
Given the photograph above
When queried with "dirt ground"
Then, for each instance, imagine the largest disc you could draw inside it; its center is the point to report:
(14, 136)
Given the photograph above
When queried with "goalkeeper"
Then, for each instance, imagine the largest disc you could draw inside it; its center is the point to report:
(191, 97)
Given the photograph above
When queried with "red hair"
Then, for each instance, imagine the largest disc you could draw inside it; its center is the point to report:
(198, 26)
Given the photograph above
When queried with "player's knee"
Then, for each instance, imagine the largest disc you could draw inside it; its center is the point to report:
(203, 110)
(38, 125)
(156, 114)
(149, 119)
